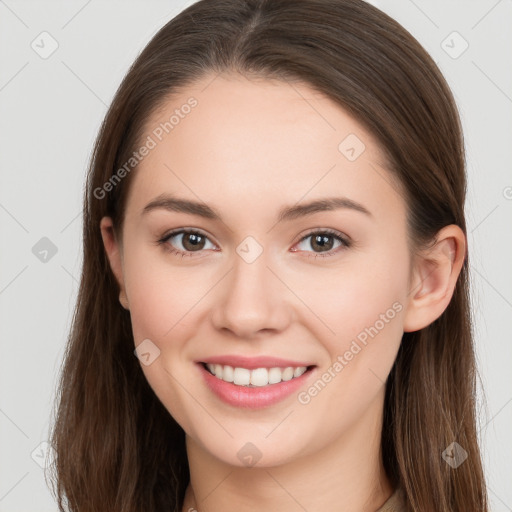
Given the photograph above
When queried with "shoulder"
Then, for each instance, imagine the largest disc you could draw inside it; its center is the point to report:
(395, 503)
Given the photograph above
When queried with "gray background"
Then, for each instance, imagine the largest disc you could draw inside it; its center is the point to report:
(51, 109)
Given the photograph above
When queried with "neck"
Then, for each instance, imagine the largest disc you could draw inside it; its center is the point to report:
(346, 475)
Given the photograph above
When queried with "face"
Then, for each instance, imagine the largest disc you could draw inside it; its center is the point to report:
(258, 272)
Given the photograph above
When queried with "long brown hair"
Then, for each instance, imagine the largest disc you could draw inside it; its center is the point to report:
(116, 447)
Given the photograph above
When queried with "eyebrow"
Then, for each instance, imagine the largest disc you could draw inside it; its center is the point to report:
(176, 204)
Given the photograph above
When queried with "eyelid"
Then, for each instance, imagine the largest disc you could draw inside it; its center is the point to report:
(328, 231)
(178, 231)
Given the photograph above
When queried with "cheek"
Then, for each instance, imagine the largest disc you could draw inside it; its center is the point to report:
(363, 305)
(353, 296)
(362, 302)
(368, 321)
(161, 295)
(162, 299)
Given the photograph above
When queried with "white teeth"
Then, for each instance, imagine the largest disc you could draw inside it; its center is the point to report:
(218, 370)
(228, 374)
(299, 371)
(241, 376)
(274, 376)
(257, 377)
(287, 373)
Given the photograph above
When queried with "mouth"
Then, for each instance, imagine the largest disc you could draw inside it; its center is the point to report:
(257, 387)
(256, 377)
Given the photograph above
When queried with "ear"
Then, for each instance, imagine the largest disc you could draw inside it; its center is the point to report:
(434, 276)
(115, 256)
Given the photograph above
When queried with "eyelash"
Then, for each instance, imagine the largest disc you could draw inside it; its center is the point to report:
(345, 242)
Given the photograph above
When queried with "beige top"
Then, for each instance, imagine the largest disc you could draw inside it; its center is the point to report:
(395, 503)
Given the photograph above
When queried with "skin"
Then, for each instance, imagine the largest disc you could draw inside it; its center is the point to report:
(249, 148)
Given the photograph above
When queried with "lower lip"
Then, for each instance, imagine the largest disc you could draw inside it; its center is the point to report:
(255, 397)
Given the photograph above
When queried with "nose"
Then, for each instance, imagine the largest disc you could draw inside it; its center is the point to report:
(251, 300)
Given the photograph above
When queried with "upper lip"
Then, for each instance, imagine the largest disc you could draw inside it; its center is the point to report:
(253, 362)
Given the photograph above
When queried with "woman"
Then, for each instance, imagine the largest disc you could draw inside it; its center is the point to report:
(316, 352)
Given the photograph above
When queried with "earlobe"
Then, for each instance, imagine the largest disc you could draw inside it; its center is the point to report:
(435, 275)
(114, 255)
(123, 299)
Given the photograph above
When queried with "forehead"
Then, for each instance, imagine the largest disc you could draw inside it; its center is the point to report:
(228, 138)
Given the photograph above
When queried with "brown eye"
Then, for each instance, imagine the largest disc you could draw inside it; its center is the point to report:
(321, 242)
(193, 241)
(185, 242)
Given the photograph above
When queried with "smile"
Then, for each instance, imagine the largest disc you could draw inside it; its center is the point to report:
(257, 377)
(254, 388)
